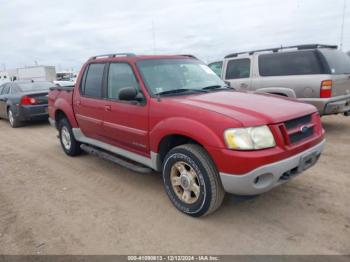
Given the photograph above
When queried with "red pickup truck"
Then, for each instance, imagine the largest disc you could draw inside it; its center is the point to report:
(174, 115)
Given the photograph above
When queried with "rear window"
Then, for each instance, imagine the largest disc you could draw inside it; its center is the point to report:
(290, 63)
(338, 62)
(238, 68)
(33, 86)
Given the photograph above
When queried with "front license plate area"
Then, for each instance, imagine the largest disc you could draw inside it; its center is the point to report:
(307, 161)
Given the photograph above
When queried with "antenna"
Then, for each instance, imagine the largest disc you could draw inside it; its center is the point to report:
(153, 38)
(342, 27)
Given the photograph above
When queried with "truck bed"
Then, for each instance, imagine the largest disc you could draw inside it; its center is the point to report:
(62, 88)
(62, 97)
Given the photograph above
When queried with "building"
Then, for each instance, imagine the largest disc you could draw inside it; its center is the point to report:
(36, 73)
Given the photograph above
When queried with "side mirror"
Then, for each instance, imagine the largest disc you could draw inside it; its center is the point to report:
(130, 94)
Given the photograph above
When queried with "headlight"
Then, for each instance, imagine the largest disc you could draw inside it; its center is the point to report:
(250, 138)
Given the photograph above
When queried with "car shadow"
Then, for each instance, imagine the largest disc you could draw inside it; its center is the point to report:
(38, 123)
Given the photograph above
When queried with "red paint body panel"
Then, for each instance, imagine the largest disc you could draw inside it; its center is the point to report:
(62, 101)
(126, 126)
(201, 117)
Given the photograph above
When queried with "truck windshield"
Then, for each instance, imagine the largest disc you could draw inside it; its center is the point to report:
(162, 76)
(34, 86)
(339, 62)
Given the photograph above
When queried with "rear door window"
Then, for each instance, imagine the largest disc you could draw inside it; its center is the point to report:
(338, 62)
(93, 81)
(238, 68)
(5, 90)
(290, 63)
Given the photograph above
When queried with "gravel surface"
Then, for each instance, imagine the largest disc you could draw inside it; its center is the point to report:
(53, 204)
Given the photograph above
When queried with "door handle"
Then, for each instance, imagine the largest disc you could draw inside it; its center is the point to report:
(243, 85)
(108, 108)
(78, 102)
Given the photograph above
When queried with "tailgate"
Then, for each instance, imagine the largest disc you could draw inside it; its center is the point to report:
(340, 85)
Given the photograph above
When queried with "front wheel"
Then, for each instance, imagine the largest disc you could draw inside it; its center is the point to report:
(191, 180)
(70, 146)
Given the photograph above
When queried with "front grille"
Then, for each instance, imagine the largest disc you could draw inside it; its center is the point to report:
(299, 129)
(294, 138)
(297, 122)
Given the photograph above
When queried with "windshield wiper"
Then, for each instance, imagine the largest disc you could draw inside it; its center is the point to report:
(216, 87)
(180, 90)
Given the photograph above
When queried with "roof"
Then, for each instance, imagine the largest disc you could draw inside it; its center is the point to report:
(276, 49)
(128, 56)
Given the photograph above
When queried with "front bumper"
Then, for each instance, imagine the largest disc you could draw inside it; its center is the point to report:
(330, 106)
(266, 177)
(33, 112)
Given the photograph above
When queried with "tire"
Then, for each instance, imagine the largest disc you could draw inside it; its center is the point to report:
(191, 180)
(13, 120)
(69, 145)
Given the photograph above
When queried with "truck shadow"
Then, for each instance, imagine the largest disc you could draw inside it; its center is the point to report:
(236, 199)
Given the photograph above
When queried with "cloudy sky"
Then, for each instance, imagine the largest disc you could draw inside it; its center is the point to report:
(65, 33)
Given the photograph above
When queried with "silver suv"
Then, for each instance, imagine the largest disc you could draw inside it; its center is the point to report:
(316, 74)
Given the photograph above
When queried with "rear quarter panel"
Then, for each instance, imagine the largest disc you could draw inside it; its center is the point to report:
(304, 86)
(61, 101)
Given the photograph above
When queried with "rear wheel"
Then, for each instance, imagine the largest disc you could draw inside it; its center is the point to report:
(69, 145)
(13, 120)
(192, 181)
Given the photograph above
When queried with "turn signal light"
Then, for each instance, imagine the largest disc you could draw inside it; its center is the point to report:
(27, 100)
(326, 89)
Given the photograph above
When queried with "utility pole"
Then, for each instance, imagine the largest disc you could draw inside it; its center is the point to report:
(342, 26)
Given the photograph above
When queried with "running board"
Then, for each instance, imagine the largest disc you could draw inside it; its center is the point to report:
(110, 157)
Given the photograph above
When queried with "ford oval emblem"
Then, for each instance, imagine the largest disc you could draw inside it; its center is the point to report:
(304, 129)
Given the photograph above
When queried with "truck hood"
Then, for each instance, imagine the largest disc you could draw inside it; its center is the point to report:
(247, 108)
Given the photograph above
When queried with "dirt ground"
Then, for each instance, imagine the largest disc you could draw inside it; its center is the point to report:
(53, 204)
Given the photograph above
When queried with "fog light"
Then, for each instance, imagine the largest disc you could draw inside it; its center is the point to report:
(263, 180)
